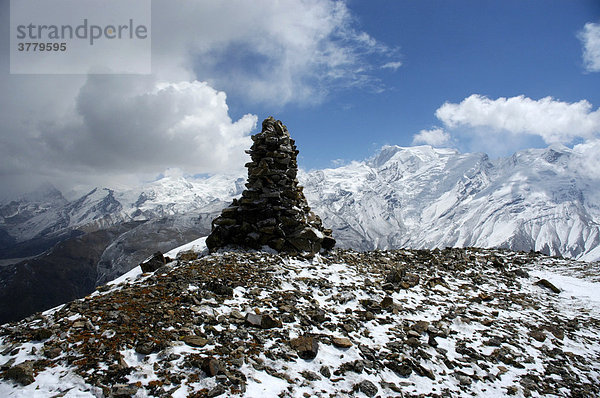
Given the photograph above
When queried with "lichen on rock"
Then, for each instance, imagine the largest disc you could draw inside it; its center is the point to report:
(272, 211)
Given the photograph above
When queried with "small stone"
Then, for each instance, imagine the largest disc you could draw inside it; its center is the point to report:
(145, 348)
(367, 387)
(21, 373)
(341, 342)
(538, 335)
(124, 390)
(325, 371)
(195, 341)
(548, 285)
(307, 347)
(212, 367)
(153, 263)
(387, 302)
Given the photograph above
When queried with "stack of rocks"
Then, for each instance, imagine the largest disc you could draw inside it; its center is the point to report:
(272, 210)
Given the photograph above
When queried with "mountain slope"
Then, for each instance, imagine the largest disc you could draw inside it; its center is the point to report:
(422, 197)
(408, 323)
(417, 197)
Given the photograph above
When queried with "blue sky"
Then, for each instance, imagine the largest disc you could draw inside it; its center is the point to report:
(449, 50)
(346, 77)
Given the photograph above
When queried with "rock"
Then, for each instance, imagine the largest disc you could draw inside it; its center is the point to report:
(538, 335)
(367, 387)
(387, 302)
(145, 348)
(341, 342)
(123, 390)
(195, 341)
(212, 367)
(403, 368)
(41, 334)
(264, 321)
(307, 347)
(546, 284)
(187, 255)
(153, 263)
(310, 376)
(21, 373)
(325, 371)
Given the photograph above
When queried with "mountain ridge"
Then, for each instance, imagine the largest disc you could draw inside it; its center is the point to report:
(418, 197)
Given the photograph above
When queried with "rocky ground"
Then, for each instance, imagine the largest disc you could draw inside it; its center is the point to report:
(406, 323)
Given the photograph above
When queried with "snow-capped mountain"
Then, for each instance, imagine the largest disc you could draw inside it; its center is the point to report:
(421, 197)
(417, 197)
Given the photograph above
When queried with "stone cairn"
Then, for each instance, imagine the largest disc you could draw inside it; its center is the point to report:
(272, 210)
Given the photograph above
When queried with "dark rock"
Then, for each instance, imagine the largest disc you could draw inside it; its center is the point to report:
(307, 347)
(41, 334)
(546, 284)
(212, 367)
(153, 263)
(263, 321)
(367, 387)
(325, 371)
(145, 348)
(21, 373)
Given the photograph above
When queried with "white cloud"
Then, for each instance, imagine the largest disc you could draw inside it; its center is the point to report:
(590, 39)
(552, 120)
(435, 137)
(269, 51)
(392, 65)
(103, 130)
(587, 159)
(127, 129)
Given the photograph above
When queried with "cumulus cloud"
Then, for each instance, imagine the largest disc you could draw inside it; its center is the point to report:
(553, 120)
(587, 159)
(137, 128)
(590, 39)
(109, 129)
(433, 137)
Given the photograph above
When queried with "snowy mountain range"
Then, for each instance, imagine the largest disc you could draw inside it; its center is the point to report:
(417, 197)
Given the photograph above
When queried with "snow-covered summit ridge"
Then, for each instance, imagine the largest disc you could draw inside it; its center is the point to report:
(424, 197)
(407, 323)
